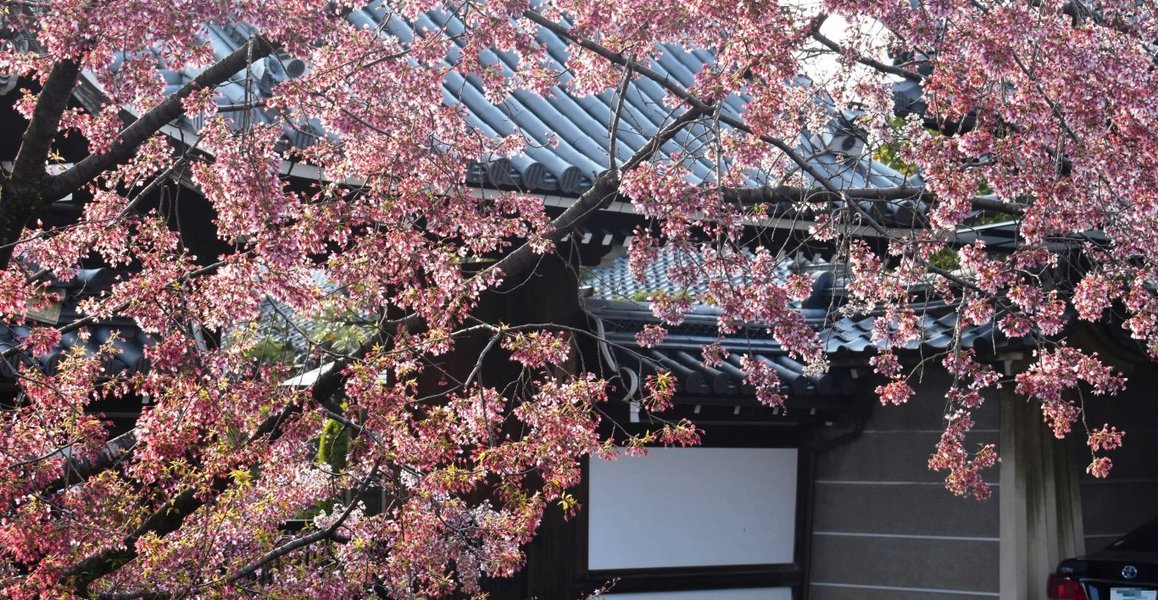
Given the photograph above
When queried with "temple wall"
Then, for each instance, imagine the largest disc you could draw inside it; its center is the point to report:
(1129, 496)
(885, 527)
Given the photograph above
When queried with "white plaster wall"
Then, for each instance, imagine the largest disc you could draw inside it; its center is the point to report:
(685, 507)
(734, 594)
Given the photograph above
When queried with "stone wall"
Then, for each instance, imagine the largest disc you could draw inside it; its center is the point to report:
(1129, 497)
(884, 526)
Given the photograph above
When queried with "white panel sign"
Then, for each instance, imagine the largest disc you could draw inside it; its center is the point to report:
(690, 507)
(732, 594)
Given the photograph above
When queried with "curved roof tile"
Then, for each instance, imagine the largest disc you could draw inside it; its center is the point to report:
(579, 125)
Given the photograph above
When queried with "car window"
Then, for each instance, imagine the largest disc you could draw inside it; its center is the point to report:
(1142, 539)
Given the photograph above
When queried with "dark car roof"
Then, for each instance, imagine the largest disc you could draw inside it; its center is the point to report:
(1142, 539)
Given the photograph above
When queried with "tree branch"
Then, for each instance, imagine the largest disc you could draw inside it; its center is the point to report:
(170, 516)
(306, 540)
(23, 192)
(791, 194)
(992, 204)
(143, 128)
(868, 62)
(601, 193)
(28, 167)
(78, 470)
(695, 102)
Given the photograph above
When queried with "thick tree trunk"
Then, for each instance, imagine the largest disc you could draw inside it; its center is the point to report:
(14, 214)
(23, 191)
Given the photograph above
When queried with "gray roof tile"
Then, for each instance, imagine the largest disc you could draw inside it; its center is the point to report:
(578, 125)
(845, 338)
(130, 347)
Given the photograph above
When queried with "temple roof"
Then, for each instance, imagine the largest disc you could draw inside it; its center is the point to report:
(569, 148)
(568, 135)
(85, 334)
(619, 309)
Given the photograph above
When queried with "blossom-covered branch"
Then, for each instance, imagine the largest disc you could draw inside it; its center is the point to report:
(315, 301)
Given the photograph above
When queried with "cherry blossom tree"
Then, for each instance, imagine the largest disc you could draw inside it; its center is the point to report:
(1037, 113)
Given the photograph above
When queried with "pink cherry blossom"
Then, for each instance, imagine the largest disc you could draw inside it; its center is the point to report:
(328, 351)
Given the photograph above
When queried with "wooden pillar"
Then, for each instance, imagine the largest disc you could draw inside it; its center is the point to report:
(1039, 504)
(548, 294)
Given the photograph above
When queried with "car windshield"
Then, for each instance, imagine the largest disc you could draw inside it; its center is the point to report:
(1142, 539)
